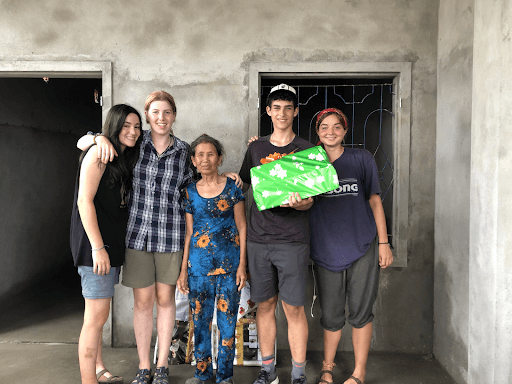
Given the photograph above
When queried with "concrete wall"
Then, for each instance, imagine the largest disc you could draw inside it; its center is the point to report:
(200, 51)
(453, 169)
(490, 267)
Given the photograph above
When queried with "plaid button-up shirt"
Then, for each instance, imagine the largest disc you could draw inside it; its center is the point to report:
(156, 210)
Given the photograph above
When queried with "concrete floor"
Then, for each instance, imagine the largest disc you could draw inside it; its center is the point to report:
(39, 335)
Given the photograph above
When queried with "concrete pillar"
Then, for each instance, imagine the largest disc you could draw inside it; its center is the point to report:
(490, 268)
(453, 192)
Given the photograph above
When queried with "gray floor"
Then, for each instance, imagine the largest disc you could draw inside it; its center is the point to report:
(39, 335)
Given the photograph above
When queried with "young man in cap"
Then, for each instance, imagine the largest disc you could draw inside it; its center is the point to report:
(278, 244)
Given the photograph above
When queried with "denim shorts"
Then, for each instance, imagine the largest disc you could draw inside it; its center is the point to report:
(96, 286)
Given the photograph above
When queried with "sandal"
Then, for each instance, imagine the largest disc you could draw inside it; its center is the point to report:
(161, 376)
(356, 379)
(143, 377)
(111, 379)
(329, 367)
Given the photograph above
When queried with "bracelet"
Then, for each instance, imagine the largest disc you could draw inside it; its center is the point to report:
(95, 136)
(99, 249)
(384, 243)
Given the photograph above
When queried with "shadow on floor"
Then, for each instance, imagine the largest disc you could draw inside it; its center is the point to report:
(49, 311)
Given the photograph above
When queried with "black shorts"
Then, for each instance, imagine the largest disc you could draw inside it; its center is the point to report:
(358, 285)
(278, 269)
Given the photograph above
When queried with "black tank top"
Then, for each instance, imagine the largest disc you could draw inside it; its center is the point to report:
(112, 221)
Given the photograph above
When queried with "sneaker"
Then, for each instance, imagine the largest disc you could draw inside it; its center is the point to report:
(267, 377)
(301, 380)
(161, 376)
(143, 377)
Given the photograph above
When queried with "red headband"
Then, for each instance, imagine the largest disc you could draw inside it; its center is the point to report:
(331, 110)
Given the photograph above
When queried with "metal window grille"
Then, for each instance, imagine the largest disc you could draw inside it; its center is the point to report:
(367, 103)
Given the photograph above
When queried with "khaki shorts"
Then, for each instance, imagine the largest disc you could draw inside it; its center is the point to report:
(142, 269)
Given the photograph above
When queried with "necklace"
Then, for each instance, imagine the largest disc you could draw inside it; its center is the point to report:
(161, 153)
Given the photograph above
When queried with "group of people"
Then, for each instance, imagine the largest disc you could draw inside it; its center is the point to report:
(183, 226)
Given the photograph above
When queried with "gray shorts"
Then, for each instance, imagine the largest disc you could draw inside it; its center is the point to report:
(96, 286)
(278, 269)
(142, 269)
(358, 286)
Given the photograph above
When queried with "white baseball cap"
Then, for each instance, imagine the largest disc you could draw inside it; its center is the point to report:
(286, 87)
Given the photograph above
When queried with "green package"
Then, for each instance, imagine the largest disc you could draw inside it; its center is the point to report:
(307, 172)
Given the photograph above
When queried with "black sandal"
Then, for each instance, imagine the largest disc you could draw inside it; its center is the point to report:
(330, 366)
(355, 379)
(143, 377)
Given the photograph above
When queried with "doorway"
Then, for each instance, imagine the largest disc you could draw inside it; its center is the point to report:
(42, 114)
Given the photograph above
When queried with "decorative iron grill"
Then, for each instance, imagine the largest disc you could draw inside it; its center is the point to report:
(368, 106)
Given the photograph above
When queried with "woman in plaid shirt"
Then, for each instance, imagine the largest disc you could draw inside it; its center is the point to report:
(156, 230)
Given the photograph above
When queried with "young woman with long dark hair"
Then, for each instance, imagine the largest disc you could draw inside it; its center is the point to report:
(98, 229)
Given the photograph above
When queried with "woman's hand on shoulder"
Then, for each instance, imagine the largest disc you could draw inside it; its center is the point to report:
(182, 283)
(105, 151)
(251, 139)
(235, 177)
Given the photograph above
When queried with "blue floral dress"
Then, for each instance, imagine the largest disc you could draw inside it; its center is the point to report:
(212, 264)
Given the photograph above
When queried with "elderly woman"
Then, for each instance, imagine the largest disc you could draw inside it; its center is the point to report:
(214, 260)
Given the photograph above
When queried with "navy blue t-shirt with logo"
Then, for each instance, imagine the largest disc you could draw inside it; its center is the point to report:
(342, 222)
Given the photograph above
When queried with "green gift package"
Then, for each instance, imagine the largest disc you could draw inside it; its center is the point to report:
(307, 172)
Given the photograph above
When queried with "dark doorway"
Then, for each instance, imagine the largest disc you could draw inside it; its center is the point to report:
(40, 122)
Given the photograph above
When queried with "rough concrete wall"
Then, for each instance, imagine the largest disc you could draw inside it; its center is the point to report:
(200, 51)
(490, 268)
(453, 168)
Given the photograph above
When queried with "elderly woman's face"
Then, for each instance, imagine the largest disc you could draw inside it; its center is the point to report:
(206, 159)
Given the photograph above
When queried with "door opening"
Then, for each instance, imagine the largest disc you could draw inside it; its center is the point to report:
(40, 122)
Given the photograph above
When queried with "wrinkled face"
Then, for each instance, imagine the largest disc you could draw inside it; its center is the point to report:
(331, 131)
(282, 113)
(130, 132)
(206, 159)
(160, 117)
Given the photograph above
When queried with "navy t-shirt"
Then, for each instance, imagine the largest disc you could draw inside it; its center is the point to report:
(280, 224)
(342, 222)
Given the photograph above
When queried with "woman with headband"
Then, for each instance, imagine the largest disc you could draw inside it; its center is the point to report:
(349, 243)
